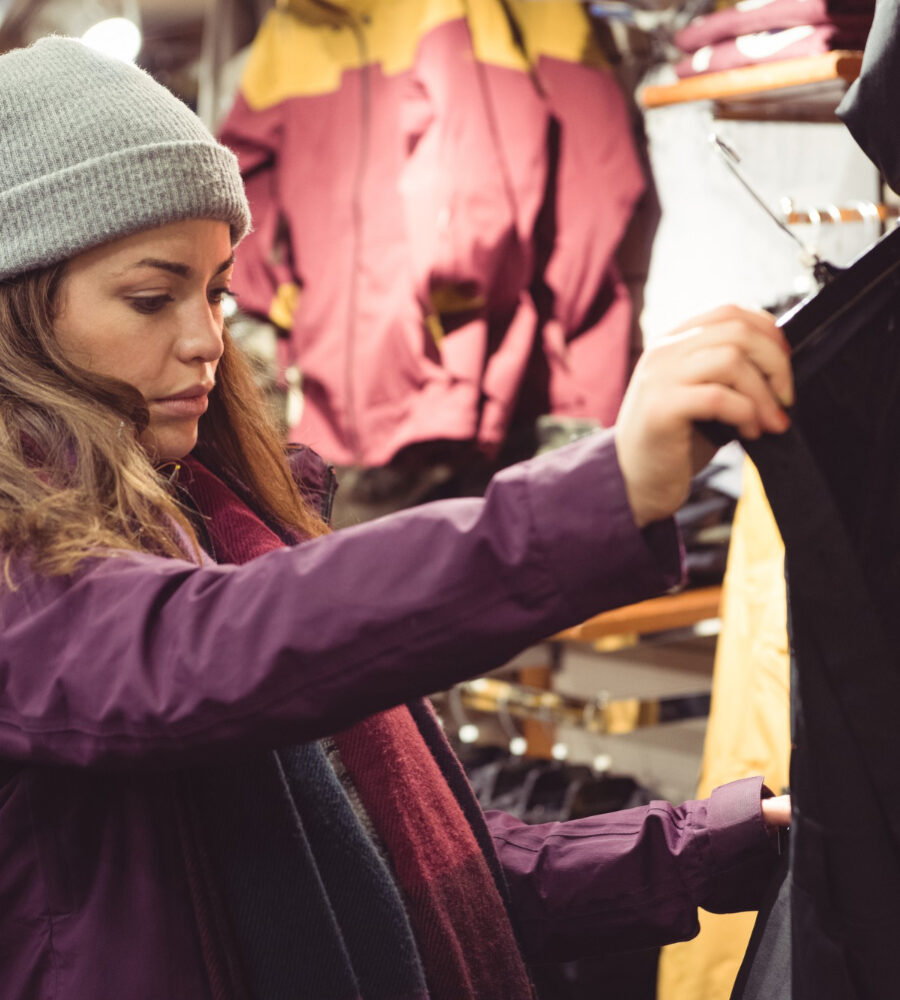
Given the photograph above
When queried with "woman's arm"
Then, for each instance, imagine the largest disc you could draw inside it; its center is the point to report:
(138, 659)
(145, 659)
(634, 878)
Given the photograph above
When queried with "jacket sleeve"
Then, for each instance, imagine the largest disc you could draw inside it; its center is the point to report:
(265, 278)
(143, 659)
(634, 878)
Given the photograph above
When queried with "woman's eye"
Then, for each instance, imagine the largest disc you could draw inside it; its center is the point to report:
(217, 295)
(150, 303)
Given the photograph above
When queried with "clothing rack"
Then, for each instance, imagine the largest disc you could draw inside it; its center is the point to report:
(861, 211)
(600, 715)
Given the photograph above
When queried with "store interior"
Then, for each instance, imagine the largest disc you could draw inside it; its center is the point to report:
(470, 218)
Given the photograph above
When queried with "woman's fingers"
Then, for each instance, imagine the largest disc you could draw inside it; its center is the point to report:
(720, 403)
(725, 365)
(760, 320)
(731, 365)
(727, 344)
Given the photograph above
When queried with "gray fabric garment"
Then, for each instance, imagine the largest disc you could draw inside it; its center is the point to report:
(93, 149)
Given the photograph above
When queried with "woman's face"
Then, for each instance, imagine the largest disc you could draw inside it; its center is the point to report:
(147, 309)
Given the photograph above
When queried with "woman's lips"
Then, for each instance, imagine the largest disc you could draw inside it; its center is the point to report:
(183, 406)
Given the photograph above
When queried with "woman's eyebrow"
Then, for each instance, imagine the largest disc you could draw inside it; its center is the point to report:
(175, 267)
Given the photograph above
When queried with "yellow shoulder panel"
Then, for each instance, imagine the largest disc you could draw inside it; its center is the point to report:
(560, 29)
(291, 58)
(303, 48)
(557, 28)
(492, 37)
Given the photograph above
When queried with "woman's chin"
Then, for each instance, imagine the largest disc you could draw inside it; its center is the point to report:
(170, 443)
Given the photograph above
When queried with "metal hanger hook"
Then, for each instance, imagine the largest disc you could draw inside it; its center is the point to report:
(822, 270)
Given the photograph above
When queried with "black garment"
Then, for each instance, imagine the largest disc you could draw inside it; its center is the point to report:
(869, 108)
(834, 485)
(767, 971)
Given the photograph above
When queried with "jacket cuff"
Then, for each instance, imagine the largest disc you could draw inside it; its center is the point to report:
(735, 818)
(744, 852)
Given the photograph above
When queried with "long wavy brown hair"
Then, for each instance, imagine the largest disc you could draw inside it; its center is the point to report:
(74, 480)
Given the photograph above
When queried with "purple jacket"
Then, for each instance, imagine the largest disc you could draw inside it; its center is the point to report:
(117, 680)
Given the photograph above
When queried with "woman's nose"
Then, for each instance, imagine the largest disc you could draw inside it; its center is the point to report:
(201, 337)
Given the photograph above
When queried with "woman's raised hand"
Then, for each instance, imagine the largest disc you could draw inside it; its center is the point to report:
(730, 365)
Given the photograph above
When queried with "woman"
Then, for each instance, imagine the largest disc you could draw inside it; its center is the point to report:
(216, 777)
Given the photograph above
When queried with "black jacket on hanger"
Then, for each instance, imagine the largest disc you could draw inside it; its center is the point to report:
(869, 108)
(832, 929)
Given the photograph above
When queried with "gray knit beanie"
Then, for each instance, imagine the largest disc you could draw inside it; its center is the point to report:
(92, 149)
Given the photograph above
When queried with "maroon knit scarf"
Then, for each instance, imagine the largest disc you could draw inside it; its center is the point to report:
(466, 943)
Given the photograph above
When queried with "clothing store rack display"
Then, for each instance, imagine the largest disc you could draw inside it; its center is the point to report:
(687, 609)
(600, 715)
(768, 31)
(817, 215)
(806, 89)
(526, 693)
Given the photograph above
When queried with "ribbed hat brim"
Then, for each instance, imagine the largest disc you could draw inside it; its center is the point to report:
(115, 195)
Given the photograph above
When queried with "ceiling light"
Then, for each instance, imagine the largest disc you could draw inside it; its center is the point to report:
(117, 37)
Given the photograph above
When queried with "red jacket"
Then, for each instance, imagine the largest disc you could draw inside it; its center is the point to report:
(437, 190)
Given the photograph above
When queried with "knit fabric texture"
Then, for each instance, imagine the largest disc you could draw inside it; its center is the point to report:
(310, 907)
(336, 923)
(93, 149)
